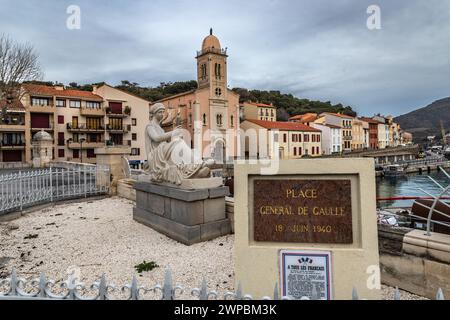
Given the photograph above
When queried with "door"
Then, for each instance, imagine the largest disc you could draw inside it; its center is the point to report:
(75, 122)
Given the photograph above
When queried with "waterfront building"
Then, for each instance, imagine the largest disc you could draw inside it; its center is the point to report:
(373, 132)
(259, 111)
(212, 106)
(343, 121)
(357, 134)
(295, 140)
(307, 118)
(78, 121)
(331, 138)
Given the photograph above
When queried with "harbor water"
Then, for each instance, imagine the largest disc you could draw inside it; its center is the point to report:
(409, 185)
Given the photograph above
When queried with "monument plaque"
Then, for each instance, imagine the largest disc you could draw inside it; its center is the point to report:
(306, 274)
(303, 211)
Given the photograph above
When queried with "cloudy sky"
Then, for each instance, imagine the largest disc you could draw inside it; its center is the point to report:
(315, 49)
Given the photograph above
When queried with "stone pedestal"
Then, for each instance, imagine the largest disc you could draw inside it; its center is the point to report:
(112, 157)
(188, 216)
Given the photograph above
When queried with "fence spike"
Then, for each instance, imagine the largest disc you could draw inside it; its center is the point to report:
(134, 293)
(397, 295)
(168, 285)
(42, 285)
(440, 295)
(102, 288)
(239, 292)
(204, 290)
(13, 289)
(275, 292)
(355, 294)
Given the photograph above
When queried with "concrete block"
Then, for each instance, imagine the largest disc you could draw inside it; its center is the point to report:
(155, 204)
(219, 192)
(215, 229)
(188, 213)
(188, 195)
(179, 232)
(214, 209)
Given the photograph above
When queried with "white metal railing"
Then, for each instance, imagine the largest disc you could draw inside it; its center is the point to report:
(22, 189)
(16, 288)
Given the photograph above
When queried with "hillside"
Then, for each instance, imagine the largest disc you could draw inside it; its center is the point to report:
(287, 104)
(426, 121)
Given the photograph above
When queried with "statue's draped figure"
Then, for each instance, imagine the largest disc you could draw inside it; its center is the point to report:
(169, 158)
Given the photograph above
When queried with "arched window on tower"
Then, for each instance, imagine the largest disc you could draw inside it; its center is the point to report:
(232, 121)
(204, 119)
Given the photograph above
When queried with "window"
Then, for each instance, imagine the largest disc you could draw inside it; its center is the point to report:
(134, 136)
(190, 119)
(93, 105)
(61, 140)
(306, 138)
(76, 154)
(232, 121)
(90, 153)
(285, 138)
(318, 138)
(317, 150)
(60, 103)
(219, 119)
(60, 119)
(313, 150)
(135, 151)
(294, 139)
(204, 119)
(295, 151)
(61, 153)
(133, 122)
(40, 102)
(218, 92)
(75, 103)
(94, 123)
(300, 151)
(313, 138)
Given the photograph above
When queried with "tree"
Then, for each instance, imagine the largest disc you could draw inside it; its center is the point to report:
(18, 63)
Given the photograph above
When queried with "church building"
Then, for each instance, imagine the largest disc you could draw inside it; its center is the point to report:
(211, 110)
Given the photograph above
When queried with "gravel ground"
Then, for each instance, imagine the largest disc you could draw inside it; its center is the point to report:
(100, 236)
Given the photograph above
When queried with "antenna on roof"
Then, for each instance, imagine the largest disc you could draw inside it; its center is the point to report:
(210, 31)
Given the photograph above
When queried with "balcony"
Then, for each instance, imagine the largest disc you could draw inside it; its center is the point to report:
(50, 128)
(82, 127)
(348, 138)
(95, 112)
(12, 146)
(124, 114)
(15, 126)
(118, 129)
(212, 50)
(85, 145)
(44, 108)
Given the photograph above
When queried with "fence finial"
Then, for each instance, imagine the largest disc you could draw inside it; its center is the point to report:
(440, 295)
(355, 294)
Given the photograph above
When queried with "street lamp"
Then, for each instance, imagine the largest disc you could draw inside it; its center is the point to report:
(81, 148)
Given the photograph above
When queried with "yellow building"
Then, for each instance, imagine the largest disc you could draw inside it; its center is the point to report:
(212, 105)
(358, 137)
(79, 121)
(294, 140)
(259, 111)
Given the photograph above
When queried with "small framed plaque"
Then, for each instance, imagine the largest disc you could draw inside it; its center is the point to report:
(306, 274)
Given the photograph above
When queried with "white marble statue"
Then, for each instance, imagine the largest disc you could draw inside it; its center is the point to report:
(169, 158)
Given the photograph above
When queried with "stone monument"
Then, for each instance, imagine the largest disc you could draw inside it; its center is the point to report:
(311, 228)
(178, 196)
(42, 149)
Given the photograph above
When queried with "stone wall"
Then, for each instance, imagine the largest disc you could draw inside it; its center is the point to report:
(125, 189)
(414, 262)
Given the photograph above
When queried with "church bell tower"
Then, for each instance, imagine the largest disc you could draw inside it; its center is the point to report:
(212, 67)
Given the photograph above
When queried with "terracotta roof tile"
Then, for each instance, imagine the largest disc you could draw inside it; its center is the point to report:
(16, 105)
(287, 126)
(52, 91)
(339, 115)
